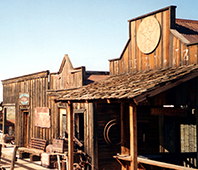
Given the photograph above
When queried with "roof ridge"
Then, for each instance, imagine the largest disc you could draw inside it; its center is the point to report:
(186, 20)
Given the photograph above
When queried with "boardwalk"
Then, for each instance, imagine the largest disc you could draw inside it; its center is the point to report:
(20, 164)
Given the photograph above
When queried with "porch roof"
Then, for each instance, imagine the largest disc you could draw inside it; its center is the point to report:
(137, 86)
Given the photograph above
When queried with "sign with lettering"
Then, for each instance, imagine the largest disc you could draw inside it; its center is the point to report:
(168, 111)
(23, 98)
(42, 117)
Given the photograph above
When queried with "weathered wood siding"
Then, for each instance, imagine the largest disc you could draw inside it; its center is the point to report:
(171, 51)
(105, 113)
(67, 77)
(182, 54)
(36, 85)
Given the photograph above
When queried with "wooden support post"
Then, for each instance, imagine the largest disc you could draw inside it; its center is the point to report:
(13, 157)
(122, 128)
(4, 120)
(66, 162)
(70, 135)
(58, 160)
(133, 135)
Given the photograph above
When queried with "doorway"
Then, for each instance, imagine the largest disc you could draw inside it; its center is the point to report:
(62, 122)
(79, 126)
(25, 127)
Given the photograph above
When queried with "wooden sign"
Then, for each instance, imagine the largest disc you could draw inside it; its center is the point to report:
(168, 111)
(23, 98)
(42, 117)
(148, 34)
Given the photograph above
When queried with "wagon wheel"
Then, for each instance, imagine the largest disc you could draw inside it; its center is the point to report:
(107, 128)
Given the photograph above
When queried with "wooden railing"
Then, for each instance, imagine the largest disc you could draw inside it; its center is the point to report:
(188, 159)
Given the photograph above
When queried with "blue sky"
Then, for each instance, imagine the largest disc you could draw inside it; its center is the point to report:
(35, 34)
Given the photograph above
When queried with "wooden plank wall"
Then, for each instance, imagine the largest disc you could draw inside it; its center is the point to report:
(36, 85)
(170, 51)
(87, 109)
(68, 78)
(105, 113)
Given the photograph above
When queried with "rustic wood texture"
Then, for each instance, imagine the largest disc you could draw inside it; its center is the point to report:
(36, 85)
(161, 164)
(67, 77)
(177, 45)
(138, 86)
(133, 135)
(106, 113)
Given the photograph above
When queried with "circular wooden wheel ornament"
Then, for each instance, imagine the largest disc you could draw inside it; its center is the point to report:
(148, 35)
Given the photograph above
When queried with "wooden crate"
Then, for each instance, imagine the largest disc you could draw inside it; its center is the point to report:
(48, 160)
(60, 145)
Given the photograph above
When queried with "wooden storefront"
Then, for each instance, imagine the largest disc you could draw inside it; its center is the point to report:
(27, 93)
(151, 95)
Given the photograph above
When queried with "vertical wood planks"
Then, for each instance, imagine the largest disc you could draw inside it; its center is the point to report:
(171, 51)
(70, 135)
(133, 46)
(193, 54)
(165, 34)
(36, 85)
(133, 135)
(138, 59)
(159, 48)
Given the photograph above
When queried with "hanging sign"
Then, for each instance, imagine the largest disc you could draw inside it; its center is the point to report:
(168, 111)
(23, 98)
(42, 117)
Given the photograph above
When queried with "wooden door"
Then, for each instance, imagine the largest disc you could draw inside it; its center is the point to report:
(25, 128)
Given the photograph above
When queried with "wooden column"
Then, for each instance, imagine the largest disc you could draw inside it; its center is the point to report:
(4, 120)
(133, 135)
(122, 127)
(70, 135)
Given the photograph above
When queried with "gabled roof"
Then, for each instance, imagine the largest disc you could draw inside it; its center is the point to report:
(133, 85)
(65, 58)
(188, 29)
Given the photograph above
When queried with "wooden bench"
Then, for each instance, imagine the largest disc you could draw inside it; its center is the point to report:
(34, 150)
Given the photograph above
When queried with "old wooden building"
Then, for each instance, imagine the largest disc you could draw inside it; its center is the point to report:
(145, 113)
(31, 98)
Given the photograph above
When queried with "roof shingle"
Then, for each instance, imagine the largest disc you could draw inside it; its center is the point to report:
(130, 85)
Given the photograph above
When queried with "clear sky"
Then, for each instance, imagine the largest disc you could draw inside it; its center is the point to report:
(35, 34)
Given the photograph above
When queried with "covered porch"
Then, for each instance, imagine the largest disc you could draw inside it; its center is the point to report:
(157, 114)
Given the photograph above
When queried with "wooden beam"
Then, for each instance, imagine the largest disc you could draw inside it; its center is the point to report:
(162, 164)
(70, 135)
(122, 127)
(4, 120)
(133, 135)
(165, 87)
